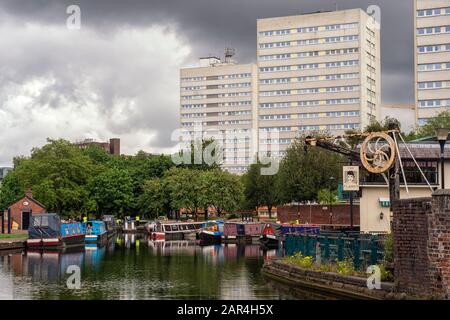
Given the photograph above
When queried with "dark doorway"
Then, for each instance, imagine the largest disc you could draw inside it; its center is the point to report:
(25, 220)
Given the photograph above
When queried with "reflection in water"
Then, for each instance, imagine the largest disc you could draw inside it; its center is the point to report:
(133, 267)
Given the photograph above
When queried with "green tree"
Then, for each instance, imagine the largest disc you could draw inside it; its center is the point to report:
(305, 170)
(441, 120)
(155, 199)
(327, 196)
(184, 187)
(222, 191)
(60, 172)
(112, 192)
(10, 190)
(260, 190)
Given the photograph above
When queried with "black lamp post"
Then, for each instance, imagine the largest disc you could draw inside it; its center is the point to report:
(442, 135)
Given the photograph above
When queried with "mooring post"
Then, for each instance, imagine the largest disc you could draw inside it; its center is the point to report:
(9, 221)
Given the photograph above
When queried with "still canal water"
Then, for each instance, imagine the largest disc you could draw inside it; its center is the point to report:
(132, 267)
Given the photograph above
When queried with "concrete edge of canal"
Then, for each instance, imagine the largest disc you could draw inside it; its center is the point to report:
(13, 244)
(336, 285)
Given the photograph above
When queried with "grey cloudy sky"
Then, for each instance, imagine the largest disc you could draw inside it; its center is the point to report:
(118, 75)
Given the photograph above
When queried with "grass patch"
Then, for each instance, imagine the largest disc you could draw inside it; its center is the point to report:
(14, 236)
(344, 267)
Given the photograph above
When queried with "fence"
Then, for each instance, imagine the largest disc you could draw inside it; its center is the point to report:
(362, 249)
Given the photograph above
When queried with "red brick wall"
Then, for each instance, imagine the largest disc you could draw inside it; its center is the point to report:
(421, 233)
(319, 214)
(18, 207)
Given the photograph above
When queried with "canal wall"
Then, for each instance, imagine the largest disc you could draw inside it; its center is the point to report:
(333, 284)
(421, 234)
(11, 244)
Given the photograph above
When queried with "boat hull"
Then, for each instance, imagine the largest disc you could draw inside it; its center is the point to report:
(94, 238)
(56, 243)
(270, 241)
(210, 237)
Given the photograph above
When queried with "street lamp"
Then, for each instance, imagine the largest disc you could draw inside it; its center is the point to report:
(442, 135)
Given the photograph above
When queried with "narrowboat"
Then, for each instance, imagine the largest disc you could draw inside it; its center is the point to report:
(241, 231)
(172, 230)
(212, 232)
(110, 223)
(95, 231)
(300, 228)
(271, 235)
(48, 232)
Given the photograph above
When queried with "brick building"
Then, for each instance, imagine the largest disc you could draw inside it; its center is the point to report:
(21, 211)
(112, 147)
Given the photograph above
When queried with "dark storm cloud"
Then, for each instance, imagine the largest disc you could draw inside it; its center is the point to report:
(211, 25)
(207, 26)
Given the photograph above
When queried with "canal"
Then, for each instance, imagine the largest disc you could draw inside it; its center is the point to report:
(133, 267)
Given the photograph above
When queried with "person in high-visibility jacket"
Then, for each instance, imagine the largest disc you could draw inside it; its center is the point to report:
(85, 219)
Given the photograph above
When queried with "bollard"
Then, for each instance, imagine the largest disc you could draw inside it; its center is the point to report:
(9, 221)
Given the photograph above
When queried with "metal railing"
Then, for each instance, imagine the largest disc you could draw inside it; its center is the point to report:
(362, 249)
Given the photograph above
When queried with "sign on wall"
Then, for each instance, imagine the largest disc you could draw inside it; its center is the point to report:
(351, 178)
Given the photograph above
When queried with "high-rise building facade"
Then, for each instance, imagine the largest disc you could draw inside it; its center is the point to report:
(317, 72)
(432, 58)
(218, 100)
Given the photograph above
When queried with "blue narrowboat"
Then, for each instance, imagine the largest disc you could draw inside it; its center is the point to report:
(46, 231)
(212, 233)
(274, 233)
(95, 231)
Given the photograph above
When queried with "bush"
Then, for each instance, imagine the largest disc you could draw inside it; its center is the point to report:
(346, 267)
(298, 259)
(389, 248)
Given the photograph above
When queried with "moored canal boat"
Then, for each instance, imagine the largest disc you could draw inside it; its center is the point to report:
(273, 234)
(173, 230)
(95, 231)
(48, 232)
(110, 224)
(212, 232)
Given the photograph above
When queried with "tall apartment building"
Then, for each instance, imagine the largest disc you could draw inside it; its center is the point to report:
(432, 58)
(318, 71)
(219, 99)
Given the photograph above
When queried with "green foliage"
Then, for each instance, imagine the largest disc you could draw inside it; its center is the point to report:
(389, 248)
(59, 172)
(346, 267)
(441, 120)
(112, 191)
(222, 190)
(305, 170)
(71, 181)
(259, 189)
(155, 199)
(327, 196)
(10, 190)
(301, 261)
